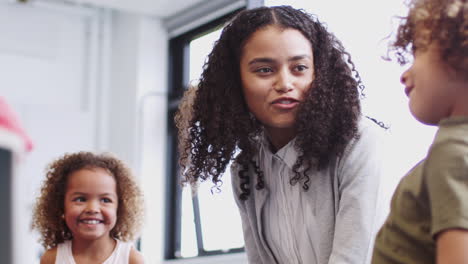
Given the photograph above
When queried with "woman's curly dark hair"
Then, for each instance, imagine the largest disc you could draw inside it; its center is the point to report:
(443, 21)
(218, 123)
(49, 208)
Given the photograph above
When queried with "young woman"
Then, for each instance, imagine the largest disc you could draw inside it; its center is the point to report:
(280, 90)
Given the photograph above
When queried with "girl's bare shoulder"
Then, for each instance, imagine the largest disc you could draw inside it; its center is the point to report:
(49, 256)
(135, 257)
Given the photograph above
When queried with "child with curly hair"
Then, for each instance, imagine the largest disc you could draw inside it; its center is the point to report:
(89, 209)
(280, 96)
(428, 221)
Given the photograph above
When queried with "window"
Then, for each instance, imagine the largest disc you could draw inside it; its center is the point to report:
(209, 222)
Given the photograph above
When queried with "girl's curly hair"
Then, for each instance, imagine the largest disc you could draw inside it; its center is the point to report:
(443, 21)
(49, 208)
(218, 124)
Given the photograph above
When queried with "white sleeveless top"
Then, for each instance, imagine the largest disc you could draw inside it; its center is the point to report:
(120, 255)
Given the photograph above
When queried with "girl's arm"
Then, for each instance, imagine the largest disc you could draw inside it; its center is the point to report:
(135, 257)
(49, 256)
(452, 247)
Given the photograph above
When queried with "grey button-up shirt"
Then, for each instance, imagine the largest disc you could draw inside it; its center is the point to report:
(333, 222)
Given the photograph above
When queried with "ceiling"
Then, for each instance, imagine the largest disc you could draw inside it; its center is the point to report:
(158, 8)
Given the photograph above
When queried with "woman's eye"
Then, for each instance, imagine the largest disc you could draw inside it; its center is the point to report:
(264, 70)
(79, 199)
(301, 67)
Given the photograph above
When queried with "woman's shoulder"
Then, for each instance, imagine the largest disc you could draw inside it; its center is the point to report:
(370, 132)
(49, 256)
(371, 139)
(370, 125)
(365, 128)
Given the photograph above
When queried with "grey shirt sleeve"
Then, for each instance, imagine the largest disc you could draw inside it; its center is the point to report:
(358, 172)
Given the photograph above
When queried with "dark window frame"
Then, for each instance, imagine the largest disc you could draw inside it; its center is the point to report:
(6, 176)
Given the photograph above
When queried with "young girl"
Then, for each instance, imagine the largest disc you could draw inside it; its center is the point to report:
(428, 222)
(88, 207)
(280, 90)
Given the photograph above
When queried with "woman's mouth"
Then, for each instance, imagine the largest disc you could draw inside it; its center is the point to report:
(285, 103)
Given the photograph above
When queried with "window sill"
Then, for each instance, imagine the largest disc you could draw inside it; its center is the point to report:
(234, 258)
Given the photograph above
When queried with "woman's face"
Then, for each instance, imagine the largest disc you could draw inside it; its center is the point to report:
(277, 69)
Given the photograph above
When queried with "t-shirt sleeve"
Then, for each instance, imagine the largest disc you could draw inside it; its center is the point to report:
(447, 183)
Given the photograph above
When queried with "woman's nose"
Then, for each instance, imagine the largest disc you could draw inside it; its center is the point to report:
(284, 82)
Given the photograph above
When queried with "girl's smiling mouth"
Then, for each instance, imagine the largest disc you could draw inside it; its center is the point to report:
(92, 221)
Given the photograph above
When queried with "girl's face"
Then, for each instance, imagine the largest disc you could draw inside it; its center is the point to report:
(277, 69)
(91, 204)
(434, 90)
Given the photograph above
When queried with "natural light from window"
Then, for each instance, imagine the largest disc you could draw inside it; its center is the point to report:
(219, 217)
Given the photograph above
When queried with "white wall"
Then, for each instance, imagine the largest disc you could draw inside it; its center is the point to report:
(85, 79)
(137, 113)
(44, 56)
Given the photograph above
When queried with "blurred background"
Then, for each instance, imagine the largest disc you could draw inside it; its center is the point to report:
(107, 75)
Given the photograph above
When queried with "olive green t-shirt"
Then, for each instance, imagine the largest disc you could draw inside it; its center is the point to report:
(431, 198)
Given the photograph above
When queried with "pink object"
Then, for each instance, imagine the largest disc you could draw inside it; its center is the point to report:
(10, 122)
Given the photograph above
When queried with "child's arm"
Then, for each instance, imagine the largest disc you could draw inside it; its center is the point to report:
(49, 256)
(452, 247)
(135, 257)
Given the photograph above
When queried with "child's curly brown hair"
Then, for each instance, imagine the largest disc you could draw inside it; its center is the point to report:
(217, 121)
(49, 208)
(443, 21)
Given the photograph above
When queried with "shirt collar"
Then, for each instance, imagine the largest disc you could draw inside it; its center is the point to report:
(288, 153)
(452, 128)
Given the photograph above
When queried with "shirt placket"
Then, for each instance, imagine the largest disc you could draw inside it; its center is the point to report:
(281, 167)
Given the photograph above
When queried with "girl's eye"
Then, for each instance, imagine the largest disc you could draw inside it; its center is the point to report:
(106, 200)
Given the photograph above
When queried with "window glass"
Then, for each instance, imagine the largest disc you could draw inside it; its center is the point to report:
(212, 210)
